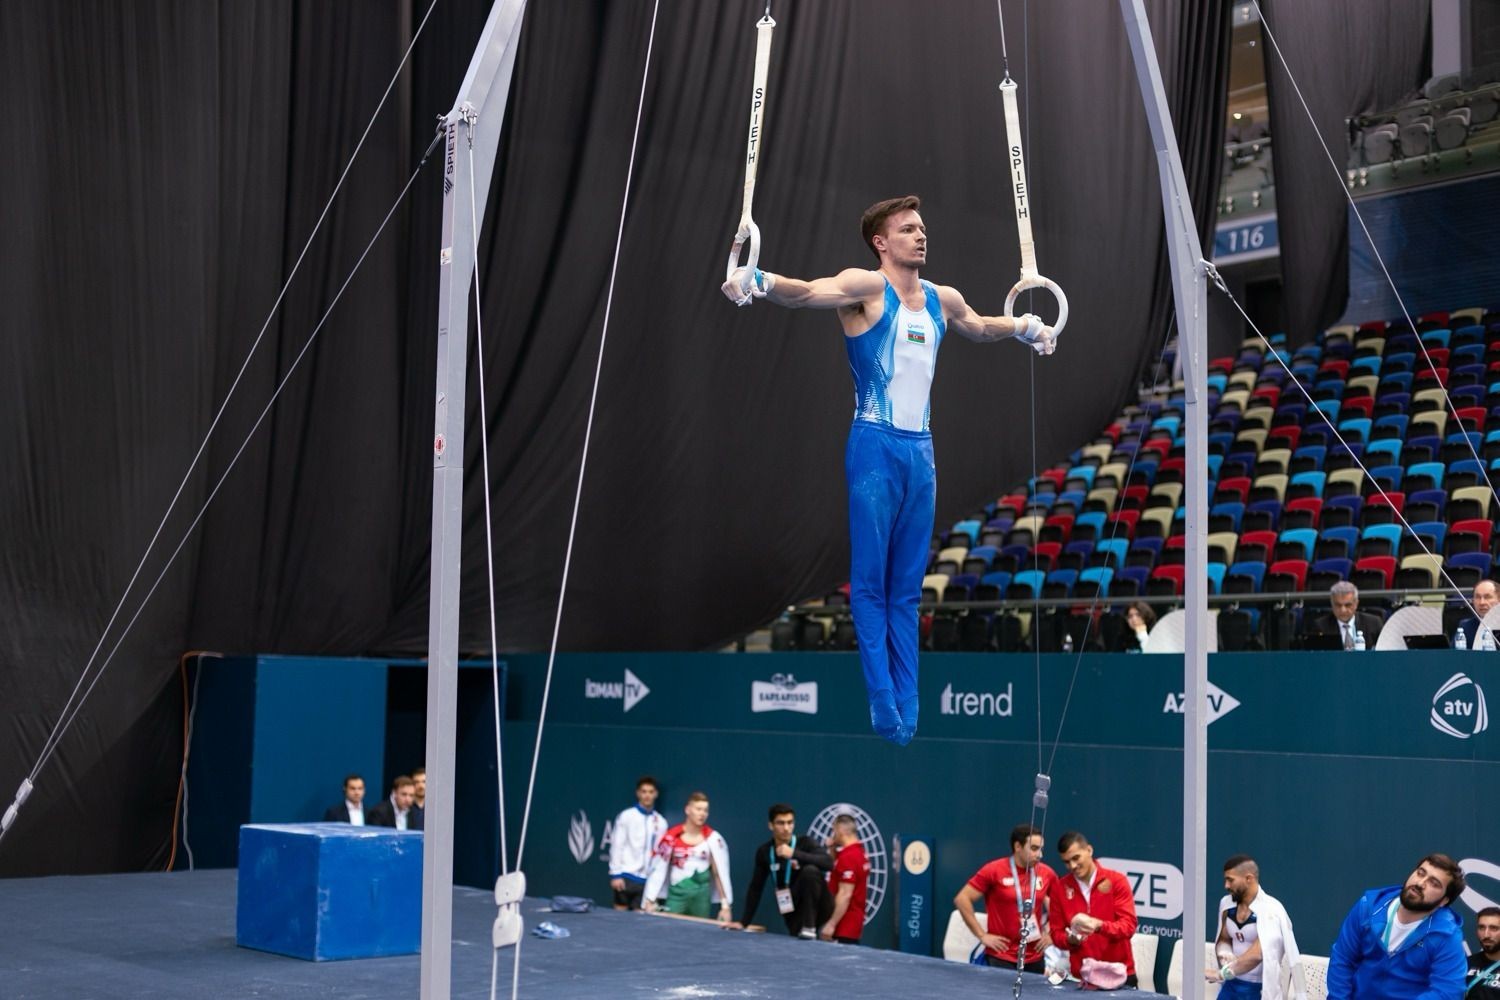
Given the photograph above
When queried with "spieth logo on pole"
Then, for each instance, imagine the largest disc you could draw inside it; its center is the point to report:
(1458, 708)
(782, 693)
(631, 690)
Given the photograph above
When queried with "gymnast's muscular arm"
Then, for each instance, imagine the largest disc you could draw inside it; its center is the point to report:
(849, 289)
(963, 320)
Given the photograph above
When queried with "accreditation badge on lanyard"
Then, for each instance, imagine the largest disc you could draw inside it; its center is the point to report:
(783, 896)
(1025, 904)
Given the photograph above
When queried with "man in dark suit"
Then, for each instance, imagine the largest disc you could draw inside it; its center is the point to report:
(394, 811)
(418, 816)
(1345, 620)
(1486, 595)
(352, 809)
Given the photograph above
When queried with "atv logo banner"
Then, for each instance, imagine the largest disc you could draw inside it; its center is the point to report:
(1458, 708)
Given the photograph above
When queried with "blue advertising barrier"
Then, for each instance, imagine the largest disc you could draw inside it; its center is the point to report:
(1335, 770)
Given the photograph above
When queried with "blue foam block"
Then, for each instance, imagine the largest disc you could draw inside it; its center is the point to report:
(324, 891)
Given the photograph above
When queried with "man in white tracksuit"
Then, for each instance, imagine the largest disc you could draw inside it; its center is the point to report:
(632, 845)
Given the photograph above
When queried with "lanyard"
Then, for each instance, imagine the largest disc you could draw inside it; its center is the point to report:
(787, 876)
(1390, 921)
(1479, 977)
(1023, 907)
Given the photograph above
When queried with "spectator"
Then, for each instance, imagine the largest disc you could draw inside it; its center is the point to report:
(417, 820)
(1138, 621)
(352, 809)
(1403, 942)
(1015, 891)
(1486, 596)
(691, 868)
(396, 810)
(1255, 939)
(1092, 908)
(1345, 620)
(848, 882)
(796, 866)
(1483, 979)
(632, 845)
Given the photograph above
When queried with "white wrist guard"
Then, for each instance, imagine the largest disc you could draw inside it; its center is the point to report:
(1226, 973)
(762, 283)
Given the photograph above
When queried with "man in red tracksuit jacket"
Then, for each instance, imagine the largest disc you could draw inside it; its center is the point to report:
(1093, 909)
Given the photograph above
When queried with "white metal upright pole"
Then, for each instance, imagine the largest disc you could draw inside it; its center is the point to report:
(1190, 290)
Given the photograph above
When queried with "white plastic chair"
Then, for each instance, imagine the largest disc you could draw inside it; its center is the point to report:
(958, 942)
(1143, 947)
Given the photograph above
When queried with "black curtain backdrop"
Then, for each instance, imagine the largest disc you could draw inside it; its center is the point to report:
(164, 164)
(1348, 57)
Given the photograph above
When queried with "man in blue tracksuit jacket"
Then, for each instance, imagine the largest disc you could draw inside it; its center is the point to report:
(1403, 942)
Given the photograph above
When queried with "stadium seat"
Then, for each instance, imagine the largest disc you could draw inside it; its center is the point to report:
(1285, 576)
(1300, 539)
(1373, 573)
(1094, 582)
(1166, 581)
(1419, 572)
(1302, 512)
(1244, 578)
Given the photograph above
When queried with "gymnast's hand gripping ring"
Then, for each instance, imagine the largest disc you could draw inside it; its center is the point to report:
(1030, 277)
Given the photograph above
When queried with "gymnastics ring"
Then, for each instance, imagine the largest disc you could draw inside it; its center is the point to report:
(1035, 280)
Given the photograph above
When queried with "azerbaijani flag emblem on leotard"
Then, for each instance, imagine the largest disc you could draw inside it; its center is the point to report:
(916, 334)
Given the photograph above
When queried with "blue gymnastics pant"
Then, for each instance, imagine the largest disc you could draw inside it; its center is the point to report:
(892, 496)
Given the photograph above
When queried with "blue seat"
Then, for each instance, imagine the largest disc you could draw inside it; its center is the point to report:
(1436, 338)
(1074, 497)
(1397, 420)
(1438, 497)
(1314, 452)
(987, 553)
(1468, 380)
(1084, 472)
(970, 528)
(1394, 398)
(1254, 570)
(1432, 471)
(1217, 382)
(1436, 532)
(1094, 518)
(1271, 507)
(997, 579)
(1340, 566)
(1231, 509)
(1469, 333)
(1466, 354)
(1115, 548)
(1369, 365)
(1313, 479)
(1389, 477)
(1153, 545)
(1329, 407)
(1031, 579)
(1306, 537)
(1355, 429)
(1386, 450)
(1064, 578)
(1135, 574)
(1385, 532)
(1346, 533)
(1481, 561)
(1354, 503)
(1397, 381)
(1098, 575)
(1400, 363)
(1215, 572)
(1169, 424)
(961, 587)
(1466, 465)
(1215, 462)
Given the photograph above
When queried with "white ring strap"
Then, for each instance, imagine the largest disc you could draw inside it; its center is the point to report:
(1030, 277)
(748, 230)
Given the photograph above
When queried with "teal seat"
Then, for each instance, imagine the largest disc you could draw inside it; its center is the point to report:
(1313, 479)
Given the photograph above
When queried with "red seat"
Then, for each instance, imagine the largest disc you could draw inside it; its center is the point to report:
(1055, 476)
(1438, 375)
(1176, 573)
(1477, 414)
(1256, 546)
(1063, 523)
(1178, 465)
(1270, 393)
(1238, 485)
(1294, 569)
(1128, 519)
(1290, 432)
(1440, 318)
(1478, 526)
(1338, 366)
(1439, 356)
(1373, 326)
(1314, 504)
(1225, 365)
(1133, 497)
(1379, 564)
(1392, 498)
(1045, 554)
(1364, 405)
